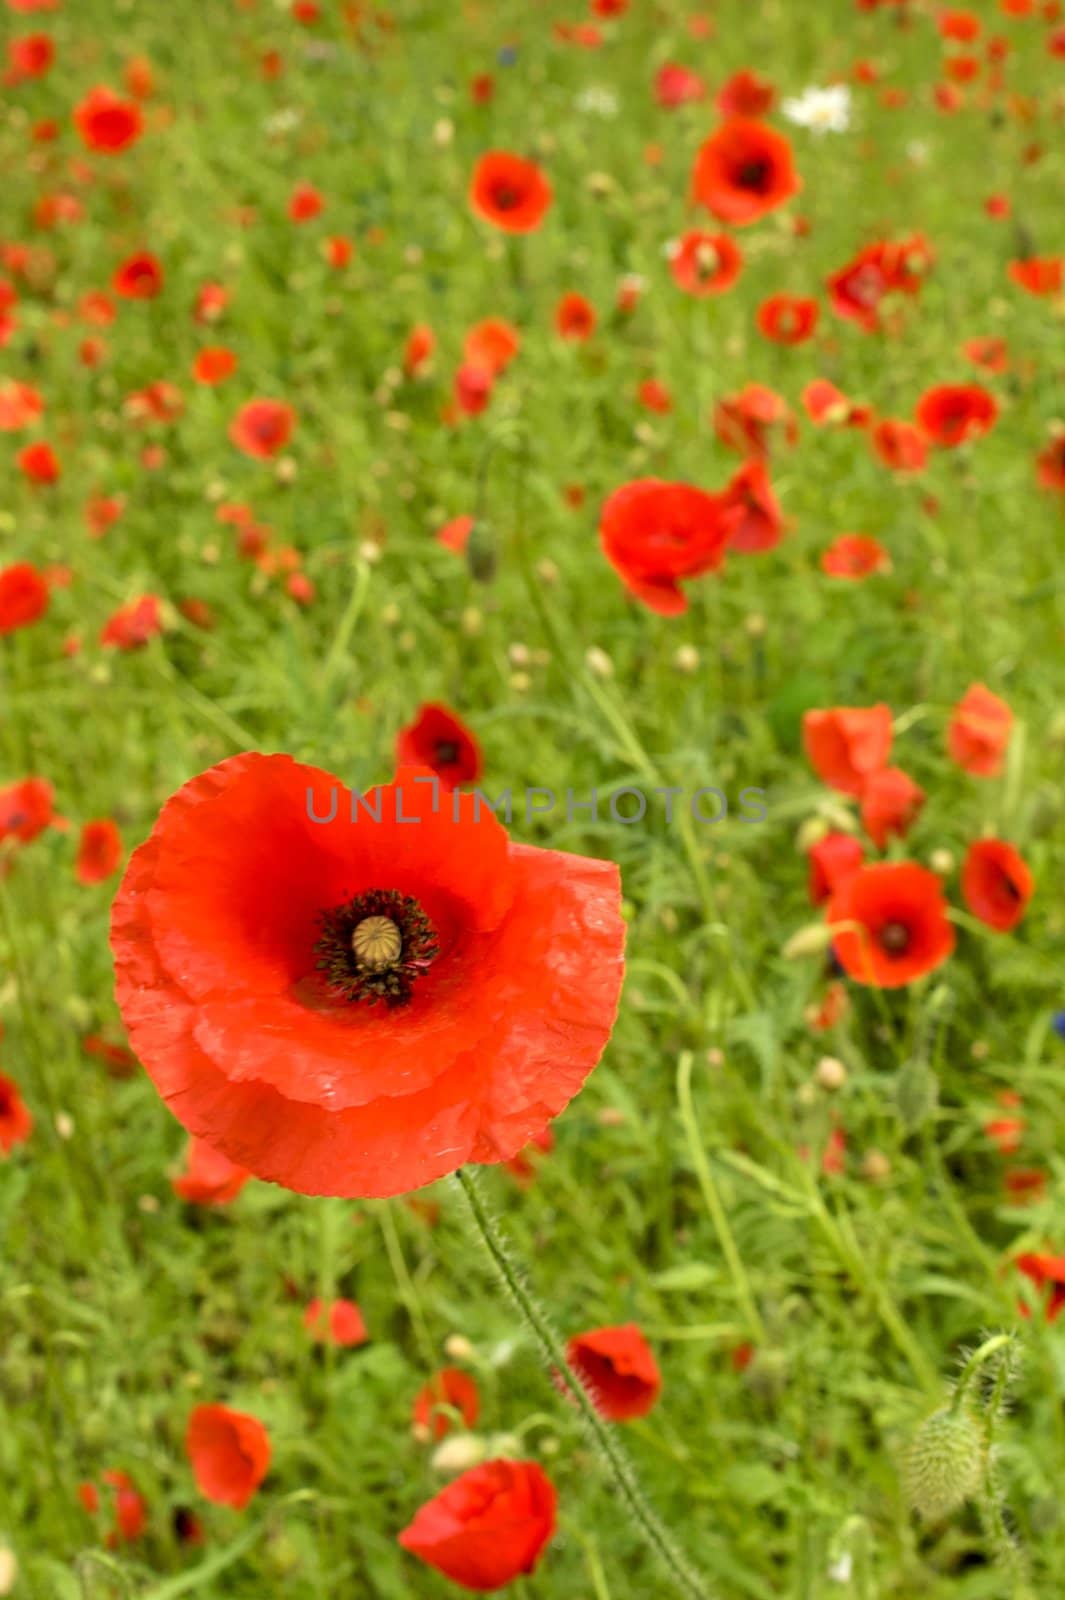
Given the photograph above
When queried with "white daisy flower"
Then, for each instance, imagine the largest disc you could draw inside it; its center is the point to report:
(820, 110)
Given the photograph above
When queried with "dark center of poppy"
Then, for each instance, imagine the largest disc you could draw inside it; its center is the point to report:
(506, 197)
(446, 751)
(895, 938)
(754, 174)
(375, 946)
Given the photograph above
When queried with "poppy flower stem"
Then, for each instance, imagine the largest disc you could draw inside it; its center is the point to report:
(646, 1519)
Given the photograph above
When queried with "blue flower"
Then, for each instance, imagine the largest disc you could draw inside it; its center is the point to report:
(507, 56)
(1058, 1024)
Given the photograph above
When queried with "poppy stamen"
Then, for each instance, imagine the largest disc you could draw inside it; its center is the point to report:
(895, 938)
(375, 946)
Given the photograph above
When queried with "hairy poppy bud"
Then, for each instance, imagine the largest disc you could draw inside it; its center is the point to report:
(944, 1463)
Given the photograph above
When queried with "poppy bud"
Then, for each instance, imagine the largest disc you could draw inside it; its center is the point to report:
(830, 1073)
(944, 1463)
(481, 559)
(809, 941)
(916, 1093)
(459, 1348)
(459, 1453)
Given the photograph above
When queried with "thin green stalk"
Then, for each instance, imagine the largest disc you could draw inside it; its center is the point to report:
(646, 1520)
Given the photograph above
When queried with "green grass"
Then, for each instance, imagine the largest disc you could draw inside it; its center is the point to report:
(120, 1308)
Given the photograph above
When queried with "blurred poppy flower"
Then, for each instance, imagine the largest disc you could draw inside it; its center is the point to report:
(491, 345)
(446, 1391)
(339, 1322)
(744, 170)
(654, 534)
(705, 263)
(214, 365)
(1043, 1270)
(678, 86)
(880, 269)
(855, 556)
(24, 596)
(26, 809)
(1039, 275)
(787, 318)
(30, 56)
(575, 317)
(455, 535)
(846, 745)
(831, 859)
(347, 1004)
(654, 396)
(338, 251)
(305, 203)
(890, 803)
(107, 123)
(39, 463)
(117, 1058)
(1050, 463)
(441, 741)
(263, 428)
(20, 405)
(992, 354)
(211, 301)
(890, 923)
(209, 1178)
(899, 445)
(827, 406)
(229, 1452)
(139, 278)
(488, 1527)
(979, 731)
(756, 520)
(472, 390)
(16, 1122)
(748, 421)
(952, 414)
(509, 192)
(130, 1511)
(618, 1368)
(133, 624)
(101, 511)
(99, 851)
(418, 352)
(745, 94)
(996, 883)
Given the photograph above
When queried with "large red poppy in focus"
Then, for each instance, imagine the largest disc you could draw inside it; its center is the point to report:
(744, 170)
(359, 1007)
(488, 1527)
(654, 533)
(509, 192)
(891, 922)
(618, 1367)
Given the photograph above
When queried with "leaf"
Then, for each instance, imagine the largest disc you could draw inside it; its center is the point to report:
(685, 1278)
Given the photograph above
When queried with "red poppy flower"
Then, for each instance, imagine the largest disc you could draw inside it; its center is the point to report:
(339, 1322)
(139, 278)
(39, 463)
(209, 1178)
(575, 317)
(744, 170)
(229, 1452)
(618, 1368)
(211, 301)
(421, 342)
(831, 860)
(898, 924)
(1039, 274)
(447, 1391)
(488, 1527)
(305, 202)
(655, 533)
(787, 318)
(509, 192)
(890, 804)
(20, 405)
(491, 345)
(899, 445)
(757, 522)
(99, 851)
(855, 556)
(952, 414)
(31, 56)
(654, 396)
(214, 365)
(992, 354)
(1042, 1268)
(745, 94)
(705, 263)
(979, 732)
(24, 596)
(131, 1513)
(846, 745)
(1050, 463)
(455, 535)
(106, 122)
(747, 421)
(678, 86)
(346, 1003)
(133, 624)
(473, 390)
(16, 1122)
(262, 428)
(881, 269)
(441, 741)
(338, 251)
(996, 884)
(26, 809)
(825, 405)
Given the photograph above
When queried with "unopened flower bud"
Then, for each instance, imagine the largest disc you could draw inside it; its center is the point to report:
(458, 1453)
(830, 1073)
(808, 941)
(944, 1463)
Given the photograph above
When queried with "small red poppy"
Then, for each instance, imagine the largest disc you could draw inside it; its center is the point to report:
(1050, 463)
(455, 535)
(678, 86)
(749, 421)
(846, 745)
(130, 1511)
(757, 522)
(855, 556)
(744, 170)
(890, 923)
(229, 1452)
(880, 269)
(99, 851)
(788, 318)
(705, 263)
(262, 428)
(209, 1178)
(39, 463)
(491, 345)
(139, 278)
(509, 192)
(996, 883)
(831, 860)
(890, 804)
(988, 352)
(31, 56)
(1039, 275)
(618, 1368)
(952, 414)
(357, 996)
(338, 251)
(654, 396)
(979, 732)
(106, 122)
(214, 365)
(488, 1527)
(418, 352)
(575, 318)
(899, 445)
(133, 624)
(16, 1121)
(305, 202)
(473, 390)
(20, 405)
(447, 1391)
(1042, 1269)
(338, 1322)
(827, 406)
(441, 741)
(654, 534)
(745, 94)
(24, 596)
